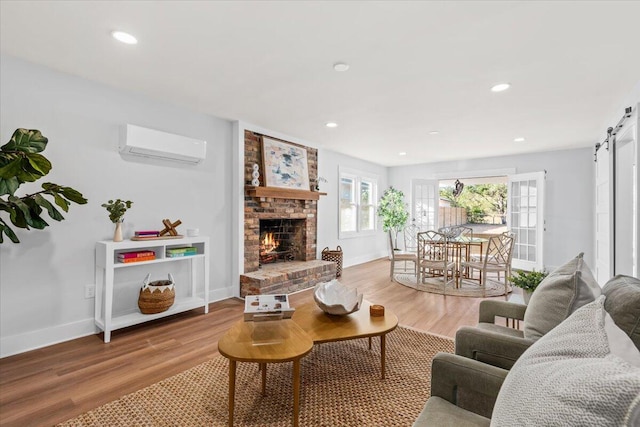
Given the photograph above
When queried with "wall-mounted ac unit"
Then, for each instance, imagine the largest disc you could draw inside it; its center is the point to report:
(139, 141)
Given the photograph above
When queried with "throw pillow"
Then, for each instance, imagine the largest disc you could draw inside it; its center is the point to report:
(623, 303)
(571, 377)
(560, 293)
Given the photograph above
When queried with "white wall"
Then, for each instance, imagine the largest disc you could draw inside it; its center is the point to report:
(569, 198)
(355, 250)
(42, 279)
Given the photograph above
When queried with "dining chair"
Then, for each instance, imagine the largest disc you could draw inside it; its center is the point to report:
(434, 257)
(496, 259)
(410, 233)
(464, 231)
(401, 256)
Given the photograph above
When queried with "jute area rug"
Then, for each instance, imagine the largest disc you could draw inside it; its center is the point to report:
(340, 386)
(467, 288)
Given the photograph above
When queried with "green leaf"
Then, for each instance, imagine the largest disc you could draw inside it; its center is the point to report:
(53, 212)
(9, 186)
(17, 217)
(27, 141)
(39, 163)
(31, 213)
(11, 168)
(4, 228)
(61, 202)
(73, 195)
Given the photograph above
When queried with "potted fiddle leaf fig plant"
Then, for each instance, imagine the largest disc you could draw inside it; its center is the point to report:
(21, 162)
(528, 281)
(116, 211)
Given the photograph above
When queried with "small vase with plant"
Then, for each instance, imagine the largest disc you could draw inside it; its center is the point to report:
(528, 281)
(316, 183)
(116, 211)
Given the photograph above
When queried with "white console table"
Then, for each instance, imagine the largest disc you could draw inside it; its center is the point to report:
(107, 263)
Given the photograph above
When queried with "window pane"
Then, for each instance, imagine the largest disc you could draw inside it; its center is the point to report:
(347, 217)
(365, 193)
(347, 189)
(367, 218)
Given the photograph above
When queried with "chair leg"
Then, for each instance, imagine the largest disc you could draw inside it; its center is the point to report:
(484, 283)
(391, 270)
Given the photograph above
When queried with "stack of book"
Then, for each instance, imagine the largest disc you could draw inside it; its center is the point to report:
(183, 251)
(147, 233)
(136, 256)
(267, 307)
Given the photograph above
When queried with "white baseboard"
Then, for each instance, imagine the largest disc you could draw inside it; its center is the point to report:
(364, 258)
(32, 340)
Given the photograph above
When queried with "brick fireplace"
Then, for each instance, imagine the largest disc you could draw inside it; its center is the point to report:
(280, 209)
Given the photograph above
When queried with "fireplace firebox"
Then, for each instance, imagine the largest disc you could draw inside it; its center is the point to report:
(281, 240)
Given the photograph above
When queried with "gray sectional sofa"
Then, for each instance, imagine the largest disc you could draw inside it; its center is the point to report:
(584, 370)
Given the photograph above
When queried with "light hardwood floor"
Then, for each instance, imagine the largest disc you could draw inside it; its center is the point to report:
(50, 385)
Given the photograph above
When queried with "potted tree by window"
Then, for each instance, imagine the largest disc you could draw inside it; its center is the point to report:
(528, 281)
(393, 211)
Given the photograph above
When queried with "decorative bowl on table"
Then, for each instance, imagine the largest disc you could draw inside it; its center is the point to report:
(335, 298)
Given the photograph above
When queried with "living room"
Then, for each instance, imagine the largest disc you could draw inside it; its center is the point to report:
(82, 111)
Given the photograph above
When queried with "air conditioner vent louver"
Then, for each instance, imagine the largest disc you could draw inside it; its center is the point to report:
(151, 143)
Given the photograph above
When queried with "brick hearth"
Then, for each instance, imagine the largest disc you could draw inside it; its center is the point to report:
(287, 277)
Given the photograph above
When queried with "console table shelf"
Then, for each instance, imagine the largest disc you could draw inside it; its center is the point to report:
(283, 193)
(107, 264)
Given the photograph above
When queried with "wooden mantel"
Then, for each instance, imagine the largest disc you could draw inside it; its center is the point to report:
(283, 193)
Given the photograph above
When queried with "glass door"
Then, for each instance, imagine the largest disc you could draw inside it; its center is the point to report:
(425, 200)
(525, 218)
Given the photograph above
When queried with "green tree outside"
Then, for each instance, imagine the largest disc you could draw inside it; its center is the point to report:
(480, 201)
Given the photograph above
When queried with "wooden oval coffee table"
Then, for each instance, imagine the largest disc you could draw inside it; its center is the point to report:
(274, 341)
(277, 341)
(323, 327)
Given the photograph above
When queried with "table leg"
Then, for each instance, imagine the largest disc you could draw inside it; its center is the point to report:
(296, 391)
(383, 349)
(369, 343)
(232, 389)
(263, 368)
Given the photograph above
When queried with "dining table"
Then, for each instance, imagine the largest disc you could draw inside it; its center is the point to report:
(462, 249)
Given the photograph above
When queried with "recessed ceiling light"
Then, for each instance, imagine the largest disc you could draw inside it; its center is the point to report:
(518, 139)
(500, 87)
(340, 66)
(402, 153)
(434, 132)
(331, 125)
(124, 37)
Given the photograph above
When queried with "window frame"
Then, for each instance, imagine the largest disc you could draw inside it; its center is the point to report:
(358, 178)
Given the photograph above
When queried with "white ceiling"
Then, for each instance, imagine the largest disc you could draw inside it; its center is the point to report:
(415, 67)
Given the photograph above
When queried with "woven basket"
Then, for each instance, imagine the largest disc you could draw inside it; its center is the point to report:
(335, 256)
(156, 297)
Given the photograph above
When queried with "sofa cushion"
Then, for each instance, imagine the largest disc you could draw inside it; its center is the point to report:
(560, 293)
(623, 304)
(438, 412)
(571, 377)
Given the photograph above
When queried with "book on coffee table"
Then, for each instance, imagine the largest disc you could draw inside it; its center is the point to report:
(267, 307)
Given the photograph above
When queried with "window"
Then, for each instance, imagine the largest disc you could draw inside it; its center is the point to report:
(358, 196)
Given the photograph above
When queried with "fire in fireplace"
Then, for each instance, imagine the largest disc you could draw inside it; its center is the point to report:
(281, 240)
